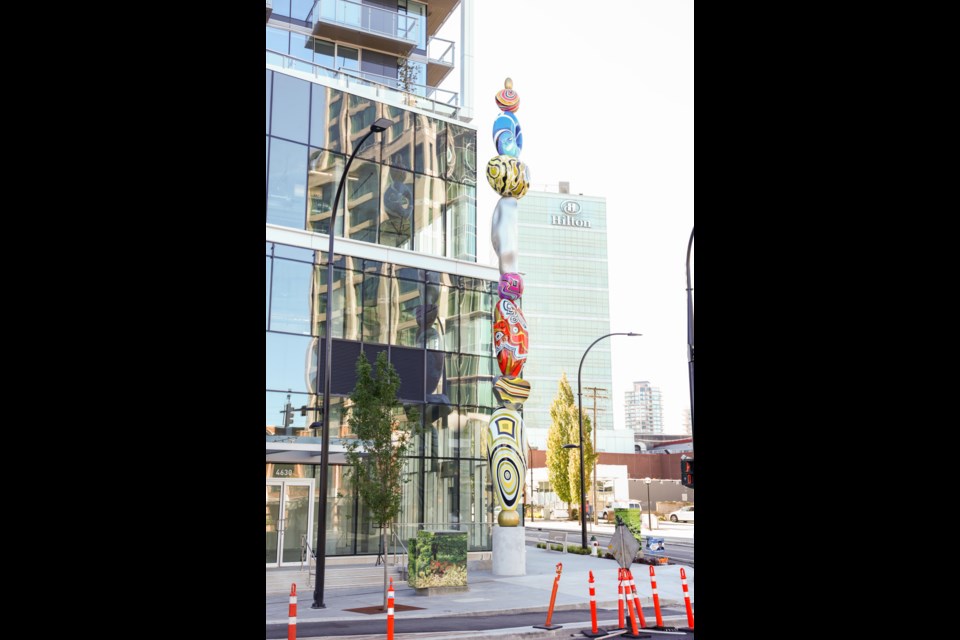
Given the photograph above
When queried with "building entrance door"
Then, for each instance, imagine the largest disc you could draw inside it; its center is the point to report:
(289, 518)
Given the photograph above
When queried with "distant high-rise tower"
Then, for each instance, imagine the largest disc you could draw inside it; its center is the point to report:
(644, 411)
(687, 423)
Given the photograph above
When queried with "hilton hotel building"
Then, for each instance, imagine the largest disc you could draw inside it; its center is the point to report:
(563, 260)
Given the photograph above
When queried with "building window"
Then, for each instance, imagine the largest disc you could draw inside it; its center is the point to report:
(286, 183)
(428, 226)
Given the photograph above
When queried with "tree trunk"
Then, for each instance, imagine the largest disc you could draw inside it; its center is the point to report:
(386, 557)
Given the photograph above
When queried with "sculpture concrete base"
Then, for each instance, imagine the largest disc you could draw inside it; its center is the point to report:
(509, 551)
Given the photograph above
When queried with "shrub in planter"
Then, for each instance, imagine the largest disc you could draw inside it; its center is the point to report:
(557, 547)
(541, 545)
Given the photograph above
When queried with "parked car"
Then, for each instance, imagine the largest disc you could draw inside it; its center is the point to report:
(681, 515)
(607, 513)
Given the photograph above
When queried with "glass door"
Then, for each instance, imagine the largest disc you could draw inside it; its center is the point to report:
(289, 514)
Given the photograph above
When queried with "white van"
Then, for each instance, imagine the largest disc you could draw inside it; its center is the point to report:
(607, 513)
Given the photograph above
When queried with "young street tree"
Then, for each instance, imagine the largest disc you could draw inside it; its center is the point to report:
(563, 465)
(383, 433)
(407, 75)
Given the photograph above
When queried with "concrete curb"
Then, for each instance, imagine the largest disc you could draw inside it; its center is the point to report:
(511, 633)
(645, 601)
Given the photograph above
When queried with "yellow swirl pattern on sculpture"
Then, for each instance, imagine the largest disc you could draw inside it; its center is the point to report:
(504, 440)
(507, 176)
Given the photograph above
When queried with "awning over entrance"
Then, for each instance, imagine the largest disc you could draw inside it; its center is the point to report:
(303, 453)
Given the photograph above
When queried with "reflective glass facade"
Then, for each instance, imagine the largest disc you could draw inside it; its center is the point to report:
(412, 187)
(436, 330)
(563, 259)
(405, 279)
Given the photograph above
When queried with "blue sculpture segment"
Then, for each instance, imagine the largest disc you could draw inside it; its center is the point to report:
(507, 136)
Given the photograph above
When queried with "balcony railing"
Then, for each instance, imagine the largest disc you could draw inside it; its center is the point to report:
(367, 18)
(389, 90)
(441, 51)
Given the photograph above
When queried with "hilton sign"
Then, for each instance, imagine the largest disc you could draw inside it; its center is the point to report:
(570, 208)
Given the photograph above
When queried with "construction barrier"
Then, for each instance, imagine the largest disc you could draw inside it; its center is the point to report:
(656, 598)
(636, 599)
(292, 620)
(686, 597)
(620, 621)
(633, 633)
(390, 611)
(594, 631)
(625, 587)
(553, 599)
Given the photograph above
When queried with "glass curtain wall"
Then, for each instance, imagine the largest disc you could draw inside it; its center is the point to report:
(412, 187)
(436, 329)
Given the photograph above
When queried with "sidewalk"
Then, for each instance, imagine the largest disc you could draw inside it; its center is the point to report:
(489, 594)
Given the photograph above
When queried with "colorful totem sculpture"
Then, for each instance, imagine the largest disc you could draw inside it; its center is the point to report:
(505, 438)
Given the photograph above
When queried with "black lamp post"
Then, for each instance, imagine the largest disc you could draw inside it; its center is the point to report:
(532, 449)
(583, 492)
(647, 482)
(380, 125)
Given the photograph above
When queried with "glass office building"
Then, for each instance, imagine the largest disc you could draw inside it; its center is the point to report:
(563, 260)
(405, 281)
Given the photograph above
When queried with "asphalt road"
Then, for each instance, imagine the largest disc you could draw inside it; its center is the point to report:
(377, 625)
(679, 553)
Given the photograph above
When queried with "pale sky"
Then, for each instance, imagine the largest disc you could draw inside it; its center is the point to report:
(606, 104)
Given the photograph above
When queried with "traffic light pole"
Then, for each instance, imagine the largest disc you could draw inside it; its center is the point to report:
(287, 412)
(693, 438)
(686, 464)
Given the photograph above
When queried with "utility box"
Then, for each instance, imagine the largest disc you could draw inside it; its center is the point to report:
(438, 562)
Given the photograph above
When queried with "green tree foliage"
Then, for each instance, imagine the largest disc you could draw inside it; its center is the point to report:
(383, 436)
(563, 465)
(589, 456)
(558, 435)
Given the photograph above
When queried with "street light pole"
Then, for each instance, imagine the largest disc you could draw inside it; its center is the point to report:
(321, 550)
(583, 491)
(649, 514)
(532, 449)
(594, 464)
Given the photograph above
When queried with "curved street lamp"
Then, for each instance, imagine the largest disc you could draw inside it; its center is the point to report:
(377, 127)
(583, 491)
